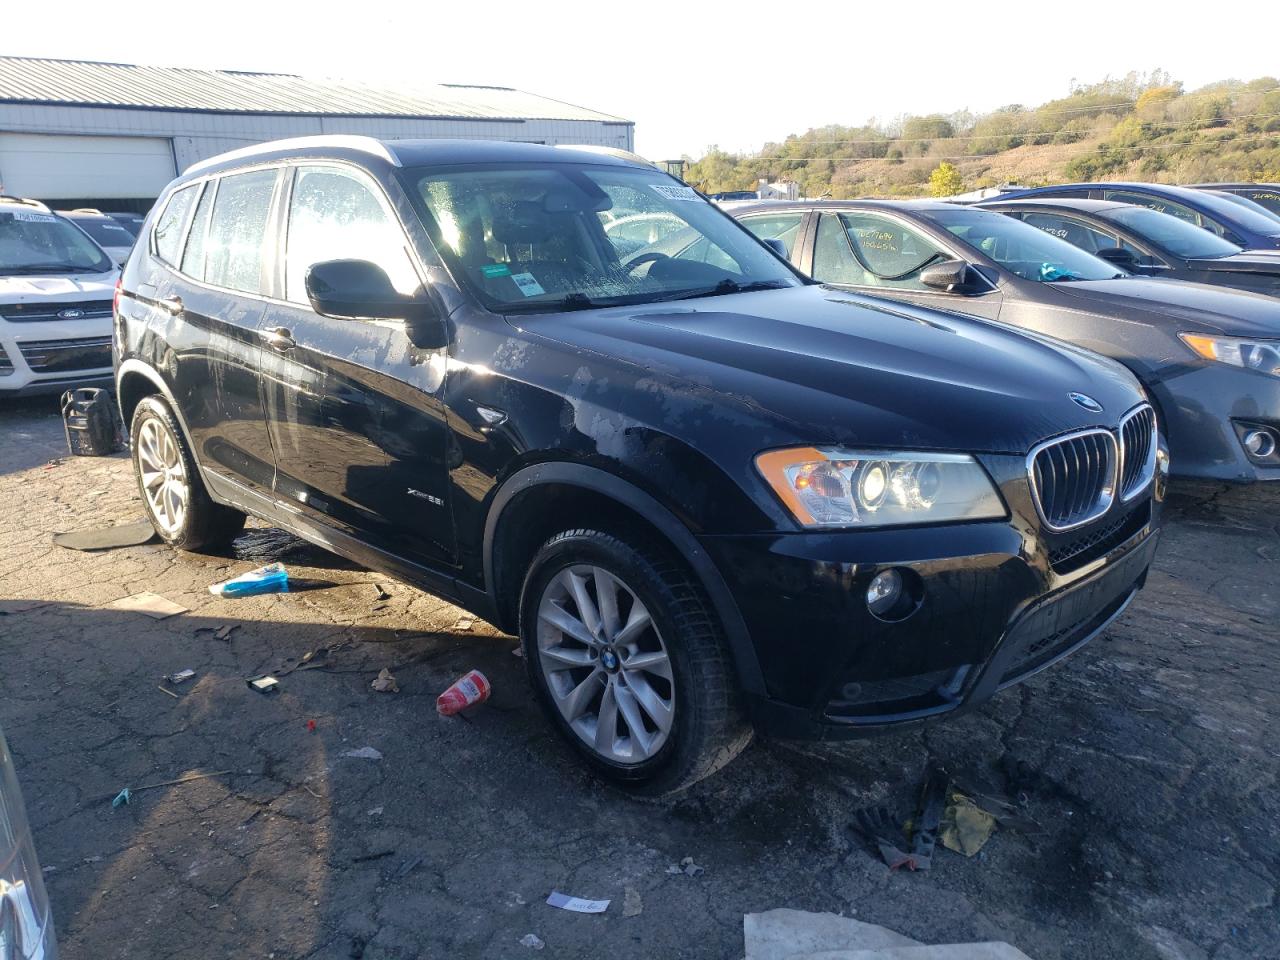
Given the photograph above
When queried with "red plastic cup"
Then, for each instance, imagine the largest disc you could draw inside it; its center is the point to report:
(468, 690)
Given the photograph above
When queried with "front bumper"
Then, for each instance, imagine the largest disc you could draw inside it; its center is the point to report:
(1201, 408)
(1000, 603)
(38, 358)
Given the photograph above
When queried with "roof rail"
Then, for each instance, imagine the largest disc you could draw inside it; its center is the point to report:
(4, 198)
(337, 141)
(88, 210)
(607, 152)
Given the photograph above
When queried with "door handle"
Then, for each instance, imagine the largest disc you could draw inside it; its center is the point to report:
(170, 305)
(278, 338)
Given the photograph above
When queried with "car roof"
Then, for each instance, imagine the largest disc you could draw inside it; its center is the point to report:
(918, 206)
(408, 153)
(82, 215)
(1234, 186)
(1082, 204)
(1168, 189)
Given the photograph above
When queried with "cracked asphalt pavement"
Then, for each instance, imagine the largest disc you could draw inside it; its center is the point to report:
(1148, 761)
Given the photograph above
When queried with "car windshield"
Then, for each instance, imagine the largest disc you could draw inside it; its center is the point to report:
(1180, 238)
(107, 232)
(35, 242)
(567, 236)
(1247, 204)
(1258, 221)
(1022, 249)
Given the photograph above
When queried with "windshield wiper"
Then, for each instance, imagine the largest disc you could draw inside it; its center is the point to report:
(570, 301)
(725, 286)
(50, 268)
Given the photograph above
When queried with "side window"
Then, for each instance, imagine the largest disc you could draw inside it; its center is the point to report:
(167, 235)
(833, 260)
(784, 227)
(1155, 203)
(1075, 232)
(890, 253)
(335, 215)
(237, 230)
(193, 252)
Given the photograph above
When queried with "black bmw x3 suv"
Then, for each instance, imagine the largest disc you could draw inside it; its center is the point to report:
(708, 494)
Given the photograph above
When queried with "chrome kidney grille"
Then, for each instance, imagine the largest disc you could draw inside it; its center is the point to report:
(1076, 478)
(1137, 451)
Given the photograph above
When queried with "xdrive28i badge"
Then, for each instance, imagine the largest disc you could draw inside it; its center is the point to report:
(1086, 401)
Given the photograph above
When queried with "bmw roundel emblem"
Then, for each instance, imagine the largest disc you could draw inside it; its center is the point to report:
(1090, 404)
(72, 313)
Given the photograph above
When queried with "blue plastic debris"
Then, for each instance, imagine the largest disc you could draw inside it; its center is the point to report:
(273, 578)
(122, 798)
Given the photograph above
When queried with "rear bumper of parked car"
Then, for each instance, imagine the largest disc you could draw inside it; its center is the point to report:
(1205, 412)
(37, 360)
(993, 612)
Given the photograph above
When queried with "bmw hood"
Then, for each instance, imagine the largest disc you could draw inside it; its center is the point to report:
(1196, 307)
(817, 365)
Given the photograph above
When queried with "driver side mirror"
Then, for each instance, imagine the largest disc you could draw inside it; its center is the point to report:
(1119, 257)
(952, 276)
(361, 290)
(776, 245)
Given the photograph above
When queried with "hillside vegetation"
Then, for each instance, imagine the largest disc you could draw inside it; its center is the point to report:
(1140, 127)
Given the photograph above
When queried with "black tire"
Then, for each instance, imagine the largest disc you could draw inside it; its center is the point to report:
(709, 726)
(205, 525)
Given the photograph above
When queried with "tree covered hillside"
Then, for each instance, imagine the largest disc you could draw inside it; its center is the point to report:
(1141, 127)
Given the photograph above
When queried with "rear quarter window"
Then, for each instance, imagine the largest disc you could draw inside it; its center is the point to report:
(167, 236)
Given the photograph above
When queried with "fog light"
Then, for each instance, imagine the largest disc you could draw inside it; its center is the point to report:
(884, 592)
(1259, 443)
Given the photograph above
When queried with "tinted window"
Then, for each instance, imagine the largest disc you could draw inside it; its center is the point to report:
(872, 250)
(335, 215)
(107, 233)
(537, 237)
(198, 235)
(784, 227)
(1075, 232)
(35, 242)
(168, 232)
(1177, 236)
(1264, 198)
(233, 252)
(1022, 249)
(833, 257)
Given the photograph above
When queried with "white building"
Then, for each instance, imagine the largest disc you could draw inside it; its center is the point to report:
(110, 135)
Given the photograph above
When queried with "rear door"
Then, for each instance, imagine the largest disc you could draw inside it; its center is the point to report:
(211, 239)
(881, 255)
(353, 407)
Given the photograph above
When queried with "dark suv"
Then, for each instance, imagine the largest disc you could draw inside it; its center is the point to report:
(706, 492)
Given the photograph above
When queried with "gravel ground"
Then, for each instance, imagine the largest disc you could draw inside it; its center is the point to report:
(1148, 760)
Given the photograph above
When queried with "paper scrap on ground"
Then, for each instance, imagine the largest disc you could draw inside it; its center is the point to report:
(385, 682)
(364, 753)
(151, 604)
(994, 950)
(577, 904)
(632, 904)
(782, 934)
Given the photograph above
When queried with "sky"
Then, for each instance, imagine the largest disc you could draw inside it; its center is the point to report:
(690, 75)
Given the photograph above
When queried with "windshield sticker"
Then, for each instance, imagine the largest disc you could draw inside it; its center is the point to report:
(33, 217)
(496, 270)
(674, 192)
(528, 286)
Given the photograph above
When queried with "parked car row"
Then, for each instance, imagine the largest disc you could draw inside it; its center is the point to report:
(1081, 270)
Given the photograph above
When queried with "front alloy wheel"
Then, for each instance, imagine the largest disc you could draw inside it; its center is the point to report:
(162, 476)
(605, 663)
(629, 661)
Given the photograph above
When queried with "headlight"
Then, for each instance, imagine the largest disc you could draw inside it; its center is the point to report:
(1260, 355)
(832, 487)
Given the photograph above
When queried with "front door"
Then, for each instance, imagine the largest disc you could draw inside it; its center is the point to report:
(881, 255)
(353, 408)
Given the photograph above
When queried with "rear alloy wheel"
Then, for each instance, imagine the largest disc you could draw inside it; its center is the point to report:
(629, 663)
(173, 494)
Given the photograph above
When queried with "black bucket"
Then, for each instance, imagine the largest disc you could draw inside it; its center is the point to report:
(91, 422)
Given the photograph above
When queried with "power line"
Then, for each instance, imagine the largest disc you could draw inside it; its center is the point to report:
(1020, 133)
(976, 156)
